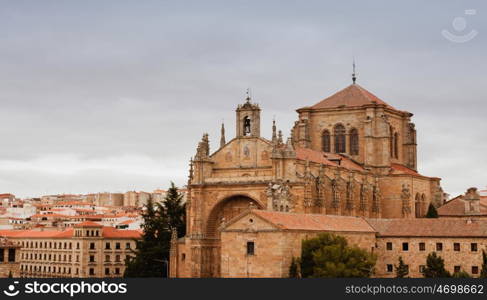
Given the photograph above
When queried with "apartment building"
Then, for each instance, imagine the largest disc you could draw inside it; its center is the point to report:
(86, 250)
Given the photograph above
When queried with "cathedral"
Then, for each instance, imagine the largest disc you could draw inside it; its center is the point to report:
(350, 154)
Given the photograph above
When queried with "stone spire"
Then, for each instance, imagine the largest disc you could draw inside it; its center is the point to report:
(222, 138)
(203, 150)
(274, 135)
(279, 139)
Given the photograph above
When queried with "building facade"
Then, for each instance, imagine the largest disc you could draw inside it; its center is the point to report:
(86, 250)
(351, 154)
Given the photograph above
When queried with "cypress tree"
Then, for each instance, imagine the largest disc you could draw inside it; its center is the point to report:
(152, 253)
(176, 210)
(402, 269)
(435, 267)
(483, 272)
(432, 213)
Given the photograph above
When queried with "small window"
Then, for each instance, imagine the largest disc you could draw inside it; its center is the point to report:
(473, 247)
(456, 269)
(183, 256)
(390, 268)
(405, 246)
(92, 271)
(117, 245)
(11, 255)
(117, 258)
(389, 246)
(127, 245)
(92, 258)
(107, 257)
(92, 246)
(117, 271)
(250, 248)
(107, 246)
(475, 270)
(439, 246)
(107, 271)
(422, 246)
(456, 246)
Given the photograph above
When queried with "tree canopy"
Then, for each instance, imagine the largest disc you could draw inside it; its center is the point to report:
(159, 219)
(402, 270)
(432, 212)
(330, 255)
(435, 267)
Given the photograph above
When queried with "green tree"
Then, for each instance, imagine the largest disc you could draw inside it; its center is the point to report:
(159, 219)
(402, 270)
(432, 213)
(175, 209)
(153, 249)
(329, 255)
(461, 274)
(435, 267)
(294, 268)
(483, 272)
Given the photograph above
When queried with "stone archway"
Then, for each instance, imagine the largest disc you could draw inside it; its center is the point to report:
(226, 210)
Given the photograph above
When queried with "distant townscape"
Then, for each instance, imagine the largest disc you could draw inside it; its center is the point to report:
(70, 235)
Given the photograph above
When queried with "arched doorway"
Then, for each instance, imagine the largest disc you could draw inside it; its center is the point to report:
(226, 210)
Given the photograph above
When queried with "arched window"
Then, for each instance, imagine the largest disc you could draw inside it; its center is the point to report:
(396, 149)
(246, 126)
(391, 142)
(339, 132)
(353, 142)
(326, 141)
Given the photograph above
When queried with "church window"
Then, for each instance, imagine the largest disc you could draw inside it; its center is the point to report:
(473, 247)
(340, 140)
(396, 147)
(391, 141)
(354, 142)
(250, 248)
(326, 141)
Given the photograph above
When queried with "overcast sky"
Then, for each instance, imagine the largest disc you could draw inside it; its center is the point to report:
(115, 95)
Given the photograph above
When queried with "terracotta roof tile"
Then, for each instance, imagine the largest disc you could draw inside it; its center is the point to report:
(456, 207)
(430, 227)
(326, 158)
(314, 222)
(352, 96)
(88, 224)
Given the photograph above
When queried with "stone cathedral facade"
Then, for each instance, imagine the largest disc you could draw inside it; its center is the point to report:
(351, 154)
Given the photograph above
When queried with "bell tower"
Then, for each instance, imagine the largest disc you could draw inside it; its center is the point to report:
(248, 119)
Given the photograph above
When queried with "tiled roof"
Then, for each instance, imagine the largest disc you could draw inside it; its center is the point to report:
(425, 227)
(110, 232)
(107, 232)
(325, 158)
(400, 169)
(456, 207)
(314, 222)
(88, 224)
(352, 96)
